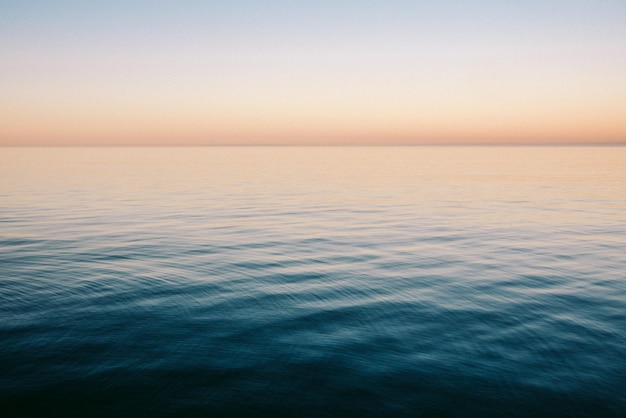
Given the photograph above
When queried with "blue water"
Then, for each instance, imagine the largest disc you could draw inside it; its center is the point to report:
(306, 282)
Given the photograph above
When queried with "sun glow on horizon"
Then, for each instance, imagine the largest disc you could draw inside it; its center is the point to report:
(204, 73)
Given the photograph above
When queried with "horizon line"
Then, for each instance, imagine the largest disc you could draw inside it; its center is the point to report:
(451, 144)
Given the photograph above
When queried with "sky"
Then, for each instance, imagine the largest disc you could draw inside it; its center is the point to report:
(238, 72)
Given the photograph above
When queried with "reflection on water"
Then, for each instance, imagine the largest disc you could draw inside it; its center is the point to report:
(358, 281)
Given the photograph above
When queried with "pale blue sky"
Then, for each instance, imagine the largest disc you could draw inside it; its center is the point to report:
(361, 57)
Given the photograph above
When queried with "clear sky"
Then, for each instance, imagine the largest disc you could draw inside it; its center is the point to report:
(315, 72)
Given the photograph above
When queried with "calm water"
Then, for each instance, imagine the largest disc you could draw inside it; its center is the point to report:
(425, 281)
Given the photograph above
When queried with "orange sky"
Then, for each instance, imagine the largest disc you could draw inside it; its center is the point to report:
(401, 74)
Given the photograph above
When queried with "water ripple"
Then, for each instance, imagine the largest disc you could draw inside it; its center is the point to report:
(473, 288)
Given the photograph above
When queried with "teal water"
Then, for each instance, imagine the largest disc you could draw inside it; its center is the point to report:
(271, 281)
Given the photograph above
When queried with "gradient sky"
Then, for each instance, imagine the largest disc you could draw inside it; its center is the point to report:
(316, 72)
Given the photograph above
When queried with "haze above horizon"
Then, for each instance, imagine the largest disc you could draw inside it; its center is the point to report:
(321, 73)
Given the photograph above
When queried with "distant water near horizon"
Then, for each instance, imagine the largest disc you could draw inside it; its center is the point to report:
(313, 282)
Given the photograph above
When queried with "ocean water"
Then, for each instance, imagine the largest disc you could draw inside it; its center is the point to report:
(313, 282)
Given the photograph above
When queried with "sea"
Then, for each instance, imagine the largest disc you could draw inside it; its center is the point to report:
(426, 281)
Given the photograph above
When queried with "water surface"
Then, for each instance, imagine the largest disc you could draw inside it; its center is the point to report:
(295, 281)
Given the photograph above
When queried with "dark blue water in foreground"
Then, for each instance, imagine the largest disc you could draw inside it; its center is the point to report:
(306, 282)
